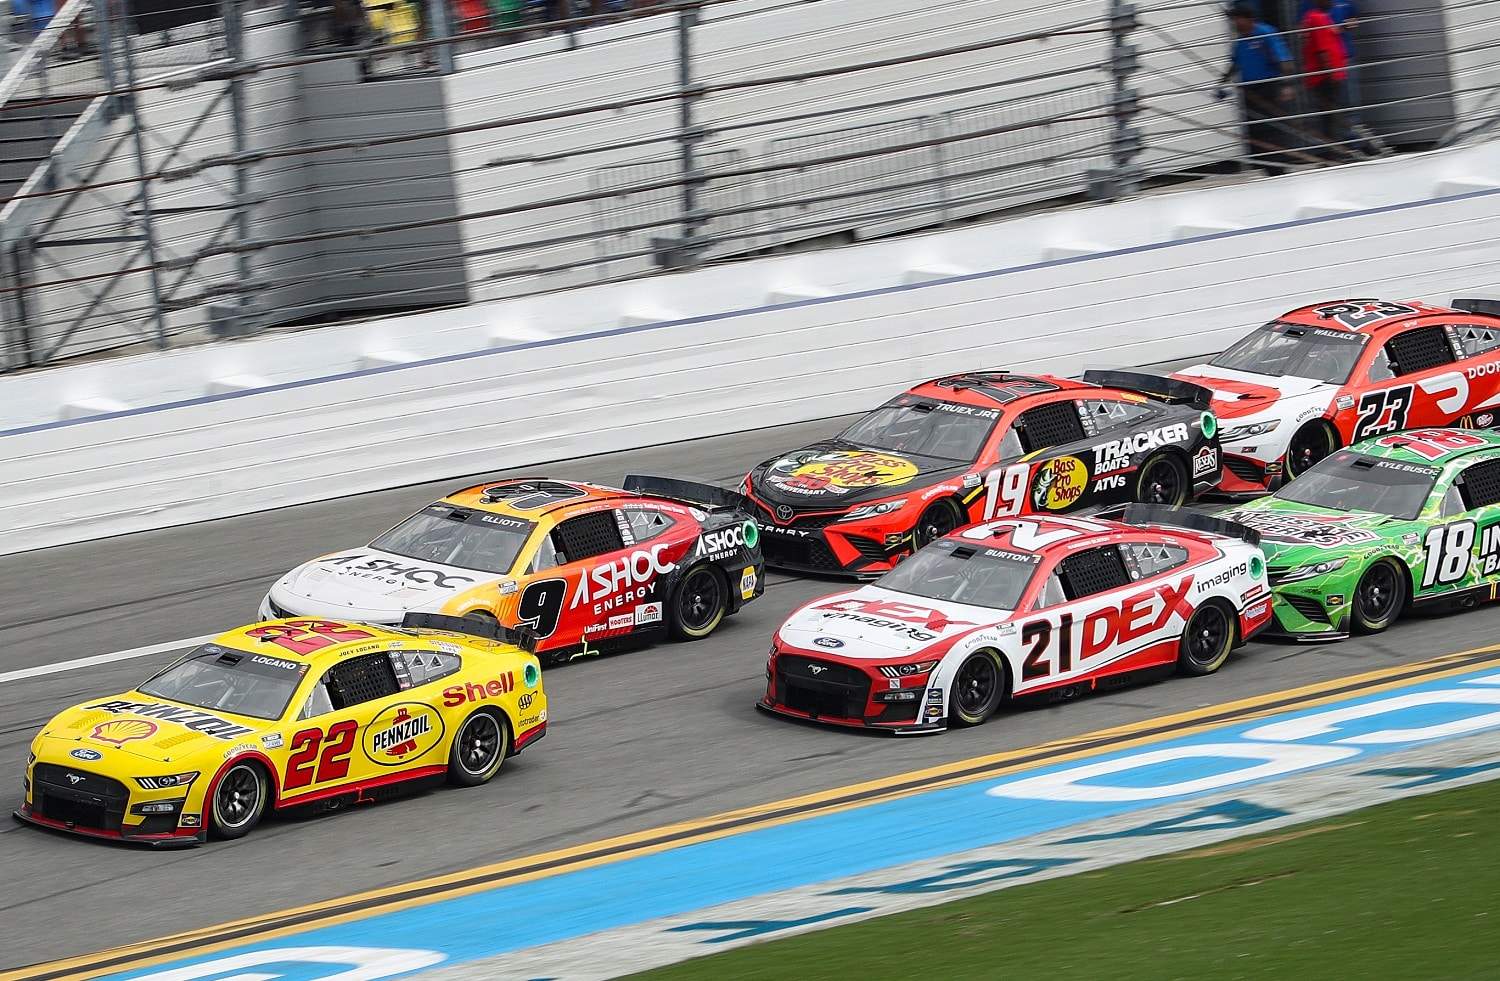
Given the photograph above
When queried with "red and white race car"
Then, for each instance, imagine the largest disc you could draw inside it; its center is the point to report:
(1022, 606)
(1334, 373)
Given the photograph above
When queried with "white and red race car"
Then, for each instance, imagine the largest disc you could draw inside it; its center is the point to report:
(1022, 606)
(1327, 375)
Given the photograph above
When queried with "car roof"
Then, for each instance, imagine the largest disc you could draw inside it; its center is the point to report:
(994, 388)
(1309, 316)
(1402, 452)
(321, 642)
(501, 496)
(1091, 531)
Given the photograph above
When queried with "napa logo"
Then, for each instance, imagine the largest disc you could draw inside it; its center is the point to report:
(402, 733)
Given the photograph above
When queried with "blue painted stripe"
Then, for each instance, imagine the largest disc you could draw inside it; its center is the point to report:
(730, 315)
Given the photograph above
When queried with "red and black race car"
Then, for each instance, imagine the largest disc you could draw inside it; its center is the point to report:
(977, 446)
(1334, 373)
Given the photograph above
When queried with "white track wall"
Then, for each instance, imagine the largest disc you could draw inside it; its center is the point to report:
(589, 371)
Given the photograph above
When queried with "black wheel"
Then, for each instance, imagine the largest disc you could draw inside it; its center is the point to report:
(238, 801)
(937, 521)
(1163, 480)
(481, 616)
(1309, 444)
(1206, 640)
(1379, 597)
(699, 604)
(977, 689)
(479, 747)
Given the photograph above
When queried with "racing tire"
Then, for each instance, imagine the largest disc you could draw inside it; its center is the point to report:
(1207, 639)
(238, 801)
(938, 520)
(482, 616)
(1163, 480)
(1379, 597)
(700, 603)
(977, 690)
(1309, 444)
(479, 747)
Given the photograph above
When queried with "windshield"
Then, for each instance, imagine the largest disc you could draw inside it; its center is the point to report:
(1350, 481)
(460, 537)
(215, 677)
(924, 427)
(974, 574)
(1281, 348)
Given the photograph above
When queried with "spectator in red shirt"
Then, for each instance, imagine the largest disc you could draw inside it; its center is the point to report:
(1325, 64)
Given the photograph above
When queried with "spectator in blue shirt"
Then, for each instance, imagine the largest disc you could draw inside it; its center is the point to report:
(1263, 63)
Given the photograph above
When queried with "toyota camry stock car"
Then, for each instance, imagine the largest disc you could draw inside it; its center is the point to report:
(1022, 606)
(288, 713)
(1334, 373)
(588, 569)
(977, 446)
(1407, 520)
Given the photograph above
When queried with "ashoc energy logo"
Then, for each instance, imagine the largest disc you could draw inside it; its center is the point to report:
(401, 733)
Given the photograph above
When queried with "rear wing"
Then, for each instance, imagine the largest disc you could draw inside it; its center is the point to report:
(487, 629)
(683, 491)
(1489, 308)
(1157, 386)
(1162, 516)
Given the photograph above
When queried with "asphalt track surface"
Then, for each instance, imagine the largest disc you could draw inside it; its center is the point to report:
(635, 740)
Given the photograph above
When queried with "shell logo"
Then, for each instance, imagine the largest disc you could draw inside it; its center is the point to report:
(1059, 483)
(121, 731)
(402, 733)
(852, 469)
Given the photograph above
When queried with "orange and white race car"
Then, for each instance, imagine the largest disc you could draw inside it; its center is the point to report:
(1331, 374)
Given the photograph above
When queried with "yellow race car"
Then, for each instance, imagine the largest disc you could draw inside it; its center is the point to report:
(287, 713)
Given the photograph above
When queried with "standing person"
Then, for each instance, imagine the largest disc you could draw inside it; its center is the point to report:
(1263, 63)
(1325, 65)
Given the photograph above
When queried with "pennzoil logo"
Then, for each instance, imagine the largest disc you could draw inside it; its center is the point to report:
(402, 732)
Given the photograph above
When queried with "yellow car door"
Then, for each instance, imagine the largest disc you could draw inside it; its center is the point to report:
(325, 753)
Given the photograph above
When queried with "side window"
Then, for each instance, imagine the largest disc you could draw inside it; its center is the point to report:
(1419, 350)
(1146, 559)
(1476, 339)
(1010, 445)
(1380, 367)
(586, 536)
(645, 524)
(414, 668)
(1453, 503)
(1102, 415)
(359, 679)
(1047, 425)
(546, 556)
(1479, 485)
(1093, 571)
(1052, 591)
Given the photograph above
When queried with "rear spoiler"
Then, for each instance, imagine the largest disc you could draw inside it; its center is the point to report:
(1143, 515)
(488, 629)
(1490, 308)
(1156, 386)
(683, 491)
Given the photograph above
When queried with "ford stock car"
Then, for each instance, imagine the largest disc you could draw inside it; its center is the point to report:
(1328, 375)
(587, 569)
(290, 713)
(1022, 606)
(1408, 520)
(978, 446)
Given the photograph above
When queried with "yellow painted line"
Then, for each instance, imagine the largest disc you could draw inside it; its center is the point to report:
(392, 899)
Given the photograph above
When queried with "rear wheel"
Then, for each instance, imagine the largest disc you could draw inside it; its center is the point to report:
(238, 801)
(1163, 480)
(700, 603)
(1206, 640)
(479, 747)
(937, 521)
(977, 689)
(1379, 597)
(1309, 444)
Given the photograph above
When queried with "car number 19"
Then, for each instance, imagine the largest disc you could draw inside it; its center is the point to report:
(1005, 490)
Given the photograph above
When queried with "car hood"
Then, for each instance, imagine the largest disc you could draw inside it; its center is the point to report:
(144, 727)
(836, 475)
(877, 624)
(375, 583)
(1244, 396)
(1293, 531)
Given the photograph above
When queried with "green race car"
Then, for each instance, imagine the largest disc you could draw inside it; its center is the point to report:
(1406, 520)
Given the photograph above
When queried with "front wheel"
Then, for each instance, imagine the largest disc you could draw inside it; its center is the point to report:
(700, 603)
(238, 801)
(936, 522)
(1206, 640)
(977, 689)
(1163, 480)
(479, 747)
(1309, 444)
(1379, 597)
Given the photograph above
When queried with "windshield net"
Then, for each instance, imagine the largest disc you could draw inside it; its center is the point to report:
(1349, 481)
(1281, 348)
(975, 574)
(216, 677)
(943, 430)
(461, 537)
